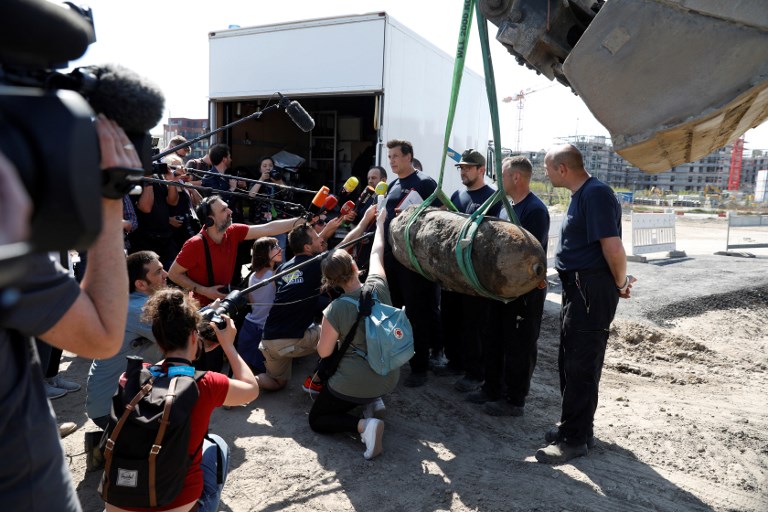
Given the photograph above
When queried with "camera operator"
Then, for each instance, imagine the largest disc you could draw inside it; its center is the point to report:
(183, 224)
(88, 320)
(153, 211)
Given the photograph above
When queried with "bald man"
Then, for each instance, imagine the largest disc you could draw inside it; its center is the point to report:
(592, 265)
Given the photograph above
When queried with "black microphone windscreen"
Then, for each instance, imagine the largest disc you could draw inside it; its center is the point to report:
(39, 33)
(299, 116)
(130, 100)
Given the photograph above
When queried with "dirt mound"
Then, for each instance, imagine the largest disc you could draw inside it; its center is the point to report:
(750, 298)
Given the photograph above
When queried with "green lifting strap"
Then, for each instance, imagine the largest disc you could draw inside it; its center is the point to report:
(465, 244)
(470, 227)
(458, 72)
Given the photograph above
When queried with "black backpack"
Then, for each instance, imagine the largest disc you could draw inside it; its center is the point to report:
(147, 441)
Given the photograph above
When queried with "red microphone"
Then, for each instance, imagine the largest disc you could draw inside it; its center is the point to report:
(330, 204)
(348, 207)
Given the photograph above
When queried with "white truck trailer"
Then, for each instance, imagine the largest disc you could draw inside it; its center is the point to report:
(365, 79)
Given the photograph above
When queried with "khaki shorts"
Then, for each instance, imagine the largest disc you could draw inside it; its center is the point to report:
(279, 352)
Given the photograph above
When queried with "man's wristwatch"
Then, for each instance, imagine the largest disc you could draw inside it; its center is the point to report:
(622, 289)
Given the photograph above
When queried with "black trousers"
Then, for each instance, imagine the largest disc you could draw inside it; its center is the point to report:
(589, 304)
(465, 326)
(330, 415)
(421, 298)
(510, 350)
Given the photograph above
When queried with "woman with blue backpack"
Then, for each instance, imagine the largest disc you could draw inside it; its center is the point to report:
(354, 383)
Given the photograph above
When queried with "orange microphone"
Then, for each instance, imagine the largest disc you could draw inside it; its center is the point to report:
(317, 202)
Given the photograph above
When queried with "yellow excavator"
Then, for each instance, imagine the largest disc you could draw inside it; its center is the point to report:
(671, 80)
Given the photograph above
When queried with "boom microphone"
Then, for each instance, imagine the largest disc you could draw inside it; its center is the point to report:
(299, 116)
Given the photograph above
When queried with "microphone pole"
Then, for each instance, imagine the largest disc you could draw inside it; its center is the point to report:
(192, 170)
(282, 103)
(237, 299)
(299, 210)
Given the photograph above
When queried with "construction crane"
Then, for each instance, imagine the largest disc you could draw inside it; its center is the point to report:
(734, 176)
(520, 99)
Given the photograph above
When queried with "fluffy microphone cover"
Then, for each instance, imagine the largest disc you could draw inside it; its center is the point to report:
(132, 101)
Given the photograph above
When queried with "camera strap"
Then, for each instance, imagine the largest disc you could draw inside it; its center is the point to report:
(208, 264)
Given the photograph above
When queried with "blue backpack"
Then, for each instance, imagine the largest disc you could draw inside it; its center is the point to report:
(388, 334)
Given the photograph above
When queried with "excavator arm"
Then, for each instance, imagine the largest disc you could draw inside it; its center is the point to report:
(671, 80)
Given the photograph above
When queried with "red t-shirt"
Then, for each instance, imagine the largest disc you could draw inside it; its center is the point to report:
(223, 258)
(213, 390)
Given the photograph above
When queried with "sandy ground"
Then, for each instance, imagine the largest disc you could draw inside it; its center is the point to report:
(682, 422)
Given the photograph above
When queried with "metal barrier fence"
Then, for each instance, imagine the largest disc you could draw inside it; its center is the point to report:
(653, 232)
(747, 237)
(555, 221)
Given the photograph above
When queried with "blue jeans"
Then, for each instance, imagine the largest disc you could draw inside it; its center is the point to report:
(209, 501)
(248, 346)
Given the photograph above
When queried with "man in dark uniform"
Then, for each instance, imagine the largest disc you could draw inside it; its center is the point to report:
(592, 265)
(420, 296)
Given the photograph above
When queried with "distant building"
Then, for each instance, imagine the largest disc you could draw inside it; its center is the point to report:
(190, 129)
(710, 172)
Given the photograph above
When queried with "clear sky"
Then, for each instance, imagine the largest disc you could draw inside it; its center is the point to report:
(167, 42)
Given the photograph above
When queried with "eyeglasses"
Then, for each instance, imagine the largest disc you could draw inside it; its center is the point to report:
(276, 246)
(321, 222)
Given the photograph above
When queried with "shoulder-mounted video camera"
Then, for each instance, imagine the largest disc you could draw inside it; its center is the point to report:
(47, 120)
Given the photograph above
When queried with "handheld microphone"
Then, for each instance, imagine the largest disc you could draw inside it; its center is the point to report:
(381, 188)
(366, 195)
(348, 207)
(350, 185)
(330, 204)
(317, 202)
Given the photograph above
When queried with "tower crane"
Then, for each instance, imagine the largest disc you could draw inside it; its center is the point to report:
(520, 99)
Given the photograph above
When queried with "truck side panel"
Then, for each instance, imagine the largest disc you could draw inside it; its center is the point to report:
(322, 57)
(417, 88)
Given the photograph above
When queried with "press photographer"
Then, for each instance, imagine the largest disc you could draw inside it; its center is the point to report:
(76, 170)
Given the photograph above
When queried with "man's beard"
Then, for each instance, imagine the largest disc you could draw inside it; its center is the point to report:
(225, 224)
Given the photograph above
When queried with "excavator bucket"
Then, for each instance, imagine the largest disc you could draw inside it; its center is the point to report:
(671, 80)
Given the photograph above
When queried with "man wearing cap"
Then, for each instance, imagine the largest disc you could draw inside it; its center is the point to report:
(465, 317)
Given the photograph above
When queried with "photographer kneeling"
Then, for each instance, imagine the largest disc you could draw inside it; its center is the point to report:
(174, 318)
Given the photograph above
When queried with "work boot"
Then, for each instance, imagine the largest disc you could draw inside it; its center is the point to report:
(66, 428)
(560, 453)
(94, 457)
(478, 396)
(553, 435)
(467, 384)
(503, 408)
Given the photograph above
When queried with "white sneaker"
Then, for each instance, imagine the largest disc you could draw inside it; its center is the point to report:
(371, 436)
(374, 408)
(64, 384)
